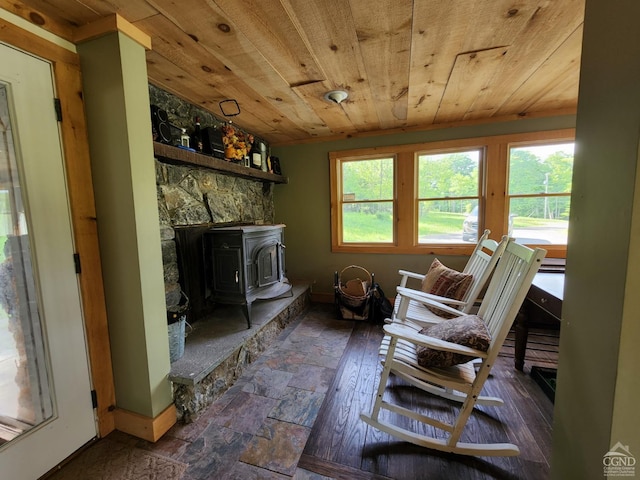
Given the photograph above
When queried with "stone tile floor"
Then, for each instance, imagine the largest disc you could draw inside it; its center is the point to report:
(259, 427)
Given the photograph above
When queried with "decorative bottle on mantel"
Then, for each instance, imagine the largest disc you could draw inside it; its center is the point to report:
(267, 166)
(255, 155)
(264, 154)
(196, 137)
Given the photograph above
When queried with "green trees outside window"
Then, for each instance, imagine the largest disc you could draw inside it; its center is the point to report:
(540, 192)
(448, 190)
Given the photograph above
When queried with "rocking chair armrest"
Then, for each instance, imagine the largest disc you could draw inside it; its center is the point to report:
(421, 296)
(444, 300)
(406, 333)
(431, 300)
(406, 275)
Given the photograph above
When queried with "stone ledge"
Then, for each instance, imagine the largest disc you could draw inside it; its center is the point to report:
(220, 346)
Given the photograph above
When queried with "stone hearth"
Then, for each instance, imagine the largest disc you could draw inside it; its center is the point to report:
(220, 346)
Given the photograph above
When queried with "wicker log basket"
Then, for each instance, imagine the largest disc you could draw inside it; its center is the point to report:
(353, 293)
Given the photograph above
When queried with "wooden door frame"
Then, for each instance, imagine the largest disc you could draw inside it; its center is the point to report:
(68, 84)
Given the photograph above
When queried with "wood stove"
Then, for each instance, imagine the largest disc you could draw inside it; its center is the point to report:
(245, 263)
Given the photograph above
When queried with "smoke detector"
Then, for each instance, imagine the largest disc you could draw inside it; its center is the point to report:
(336, 96)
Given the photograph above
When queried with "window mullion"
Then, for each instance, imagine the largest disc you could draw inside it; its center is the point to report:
(496, 209)
(405, 208)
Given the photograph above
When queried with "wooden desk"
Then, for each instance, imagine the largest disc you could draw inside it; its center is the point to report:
(542, 307)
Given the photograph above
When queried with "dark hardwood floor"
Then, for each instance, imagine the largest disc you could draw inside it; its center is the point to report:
(342, 446)
(294, 414)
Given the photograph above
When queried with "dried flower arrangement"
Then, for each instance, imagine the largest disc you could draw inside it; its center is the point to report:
(236, 143)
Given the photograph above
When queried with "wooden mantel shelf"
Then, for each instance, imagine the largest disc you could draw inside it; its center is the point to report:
(179, 155)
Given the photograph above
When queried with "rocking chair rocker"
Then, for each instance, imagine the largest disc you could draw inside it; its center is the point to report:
(505, 294)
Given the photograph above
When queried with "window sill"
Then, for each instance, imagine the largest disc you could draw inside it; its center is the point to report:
(450, 249)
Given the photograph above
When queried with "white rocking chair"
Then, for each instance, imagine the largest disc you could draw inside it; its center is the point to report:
(460, 383)
(481, 264)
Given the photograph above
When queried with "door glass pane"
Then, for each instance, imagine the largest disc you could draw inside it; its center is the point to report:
(25, 399)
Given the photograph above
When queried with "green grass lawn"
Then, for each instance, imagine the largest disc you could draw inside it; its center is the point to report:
(365, 228)
(530, 222)
(368, 228)
(435, 223)
(361, 227)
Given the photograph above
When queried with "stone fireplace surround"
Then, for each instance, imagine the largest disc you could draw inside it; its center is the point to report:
(198, 197)
(195, 198)
(190, 195)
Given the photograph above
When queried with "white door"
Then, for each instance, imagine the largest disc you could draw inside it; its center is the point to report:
(46, 411)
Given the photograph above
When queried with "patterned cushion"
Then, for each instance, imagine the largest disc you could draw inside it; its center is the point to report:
(445, 282)
(468, 330)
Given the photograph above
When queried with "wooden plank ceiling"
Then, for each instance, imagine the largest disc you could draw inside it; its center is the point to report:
(406, 64)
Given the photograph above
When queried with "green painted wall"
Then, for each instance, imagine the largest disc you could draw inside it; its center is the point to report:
(597, 397)
(304, 204)
(118, 120)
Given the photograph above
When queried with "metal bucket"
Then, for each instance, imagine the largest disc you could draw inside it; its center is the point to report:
(176, 338)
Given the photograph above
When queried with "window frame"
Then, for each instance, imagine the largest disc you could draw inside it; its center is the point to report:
(510, 196)
(493, 200)
(341, 201)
